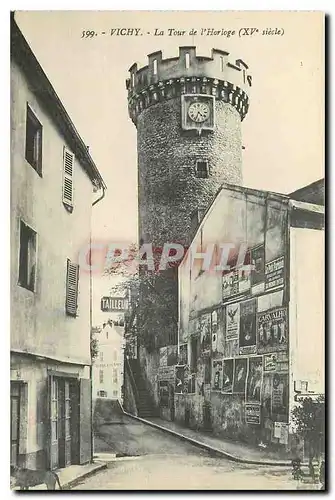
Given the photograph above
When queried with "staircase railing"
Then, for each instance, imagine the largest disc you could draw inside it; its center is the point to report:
(132, 381)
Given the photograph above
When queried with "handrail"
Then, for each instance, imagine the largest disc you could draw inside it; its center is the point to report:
(132, 380)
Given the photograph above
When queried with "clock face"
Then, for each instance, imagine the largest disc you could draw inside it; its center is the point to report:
(199, 111)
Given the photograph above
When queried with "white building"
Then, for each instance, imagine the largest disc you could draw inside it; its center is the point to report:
(108, 367)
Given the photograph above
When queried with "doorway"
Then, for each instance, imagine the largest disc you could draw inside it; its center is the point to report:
(15, 393)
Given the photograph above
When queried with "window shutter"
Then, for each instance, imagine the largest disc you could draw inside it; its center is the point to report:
(72, 288)
(68, 165)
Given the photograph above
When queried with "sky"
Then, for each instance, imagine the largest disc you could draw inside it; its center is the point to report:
(283, 133)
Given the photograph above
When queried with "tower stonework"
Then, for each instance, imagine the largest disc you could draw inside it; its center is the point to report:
(170, 186)
(188, 112)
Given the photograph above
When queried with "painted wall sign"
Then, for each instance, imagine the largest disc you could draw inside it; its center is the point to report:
(114, 304)
(232, 321)
(240, 375)
(274, 273)
(247, 337)
(272, 330)
(252, 413)
(254, 382)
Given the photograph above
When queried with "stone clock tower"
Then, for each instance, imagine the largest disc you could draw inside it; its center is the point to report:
(188, 112)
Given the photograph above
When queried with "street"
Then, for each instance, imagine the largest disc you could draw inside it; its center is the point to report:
(148, 458)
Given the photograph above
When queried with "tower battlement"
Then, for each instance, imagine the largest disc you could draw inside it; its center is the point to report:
(220, 75)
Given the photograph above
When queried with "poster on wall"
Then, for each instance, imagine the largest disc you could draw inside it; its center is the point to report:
(214, 330)
(274, 273)
(257, 260)
(227, 375)
(247, 336)
(240, 375)
(232, 321)
(254, 381)
(272, 330)
(163, 393)
(172, 355)
(229, 284)
(181, 379)
(205, 333)
(217, 372)
(182, 354)
(279, 400)
(270, 362)
(163, 356)
(252, 413)
(244, 281)
(191, 384)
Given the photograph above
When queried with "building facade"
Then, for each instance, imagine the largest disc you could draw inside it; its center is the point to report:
(188, 112)
(251, 341)
(107, 374)
(53, 181)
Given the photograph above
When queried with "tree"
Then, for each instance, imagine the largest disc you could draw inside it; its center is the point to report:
(94, 344)
(309, 420)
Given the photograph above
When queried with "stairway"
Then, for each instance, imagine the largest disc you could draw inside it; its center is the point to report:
(145, 406)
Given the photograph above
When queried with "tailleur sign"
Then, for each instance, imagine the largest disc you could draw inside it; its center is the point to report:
(114, 304)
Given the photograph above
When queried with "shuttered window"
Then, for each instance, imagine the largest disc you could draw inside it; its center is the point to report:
(68, 167)
(72, 288)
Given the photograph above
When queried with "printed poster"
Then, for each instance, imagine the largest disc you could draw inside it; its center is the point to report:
(163, 356)
(205, 333)
(247, 336)
(229, 284)
(270, 362)
(182, 354)
(252, 413)
(240, 375)
(214, 329)
(274, 273)
(181, 380)
(227, 375)
(254, 382)
(258, 272)
(272, 330)
(279, 404)
(232, 321)
(217, 375)
(172, 355)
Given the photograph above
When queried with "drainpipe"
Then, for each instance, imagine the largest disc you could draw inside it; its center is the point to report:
(91, 316)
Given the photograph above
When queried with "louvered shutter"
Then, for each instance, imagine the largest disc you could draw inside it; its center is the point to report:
(68, 165)
(72, 288)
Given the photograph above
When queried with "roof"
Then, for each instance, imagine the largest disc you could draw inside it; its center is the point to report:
(312, 193)
(44, 91)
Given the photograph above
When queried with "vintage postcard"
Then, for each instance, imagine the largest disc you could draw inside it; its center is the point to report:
(167, 250)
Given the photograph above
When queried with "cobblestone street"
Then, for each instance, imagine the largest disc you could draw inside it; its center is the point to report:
(156, 460)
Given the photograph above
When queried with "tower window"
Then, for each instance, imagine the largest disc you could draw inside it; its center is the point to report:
(155, 66)
(201, 169)
(187, 60)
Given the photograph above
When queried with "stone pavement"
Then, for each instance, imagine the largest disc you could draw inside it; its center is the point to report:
(233, 450)
(69, 476)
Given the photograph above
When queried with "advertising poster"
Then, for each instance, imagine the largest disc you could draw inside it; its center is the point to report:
(244, 281)
(182, 354)
(205, 333)
(229, 284)
(274, 273)
(214, 330)
(240, 375)
(163, 356)
(163, 393)
(270, 362)
(172, 355)
(252, 413)
(254, 382)
(217, 372)
(227, 375)
(181, 380)
(272, 330)
(279, 404)
(191, 383)
(247, 337)
(258, 273)
(232, 321)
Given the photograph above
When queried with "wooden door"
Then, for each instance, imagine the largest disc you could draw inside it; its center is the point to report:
(53, 422)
